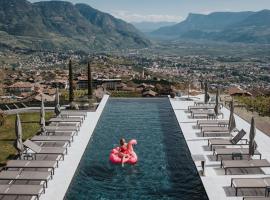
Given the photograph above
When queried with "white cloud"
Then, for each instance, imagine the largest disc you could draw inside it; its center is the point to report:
(134, 17)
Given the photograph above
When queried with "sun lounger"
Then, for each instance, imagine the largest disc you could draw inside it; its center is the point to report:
(52, 129)
(210, 122)
(38, 164)
(249, 183)
(45, 150)
(209, 114)
(26, 176)
(211, 125)
(203, 107)
(53, 138)
(234, 141)
(230, 164)
(231, 151)
(71, 119)
(70, 113)
(197, 103)
(256, 198)
(22, 190)
(66, 125)
(63, 133)
(215, 130)
(202, 112)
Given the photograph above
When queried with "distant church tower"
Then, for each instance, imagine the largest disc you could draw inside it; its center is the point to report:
(143, 73)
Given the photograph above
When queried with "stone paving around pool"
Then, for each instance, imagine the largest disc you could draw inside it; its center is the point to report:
(58, 186)
(217, 185)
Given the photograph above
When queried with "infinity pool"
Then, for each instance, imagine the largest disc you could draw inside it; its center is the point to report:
(165, 169)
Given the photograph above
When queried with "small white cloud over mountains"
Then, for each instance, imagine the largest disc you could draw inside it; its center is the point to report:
(134, 17)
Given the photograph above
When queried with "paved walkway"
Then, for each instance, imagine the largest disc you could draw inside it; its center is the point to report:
(217, 185)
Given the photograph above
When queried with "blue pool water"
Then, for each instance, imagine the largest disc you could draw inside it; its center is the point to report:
(165, 169)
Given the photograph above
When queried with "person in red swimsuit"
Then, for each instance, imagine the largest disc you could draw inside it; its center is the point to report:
(124, 151)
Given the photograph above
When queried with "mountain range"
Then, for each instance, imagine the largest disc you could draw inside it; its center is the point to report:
(147, 27)
(245, 27)
(59, 25)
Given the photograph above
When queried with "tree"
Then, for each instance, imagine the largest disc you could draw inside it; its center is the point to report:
(2, 118)
(90, 90)
(71, 89)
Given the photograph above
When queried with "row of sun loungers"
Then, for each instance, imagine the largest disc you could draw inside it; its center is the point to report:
(53, 146)
(231, 148)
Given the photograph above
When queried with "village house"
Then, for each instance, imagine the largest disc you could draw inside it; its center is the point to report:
(61, 84)
(237, 91)
(20, 87)
(110, 84)
(149, 93)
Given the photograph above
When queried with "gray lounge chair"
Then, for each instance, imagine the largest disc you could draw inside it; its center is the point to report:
(63, 133)
(249, 183)
(45, 150)
(71, 119)
(200, 103)
(215, 121)
(66, 124)
(53, 129)
(230, 164)
(215, 130)
(53, 138)
(26, 176)
(205, 113)
(22, 190)
(256, 198)
(234, 141)
(231, 151)
(70, 113)
(212, 125)
(204, 107)
(38, 164)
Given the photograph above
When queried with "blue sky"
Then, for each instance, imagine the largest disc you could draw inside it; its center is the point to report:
(169, 10)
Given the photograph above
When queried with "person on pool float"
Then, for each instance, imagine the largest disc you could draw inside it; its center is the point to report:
(125, 151)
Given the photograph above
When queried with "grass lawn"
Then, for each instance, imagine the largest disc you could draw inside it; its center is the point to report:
(125, 94)
(30, 126)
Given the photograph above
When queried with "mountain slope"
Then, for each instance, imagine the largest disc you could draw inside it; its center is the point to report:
(147, 27)
(18, 17)
(110, 25)
(198, 22)
(254, 29)
(245, 27)
(58, 25)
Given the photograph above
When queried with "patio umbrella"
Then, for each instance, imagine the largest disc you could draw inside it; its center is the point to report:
(252, 143)
(18, 144)
(42, 116)
(232, 124)
(206, 95)
(217, 103)
(57, 108)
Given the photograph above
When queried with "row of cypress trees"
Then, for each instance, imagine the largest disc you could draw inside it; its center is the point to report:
(71, 86)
